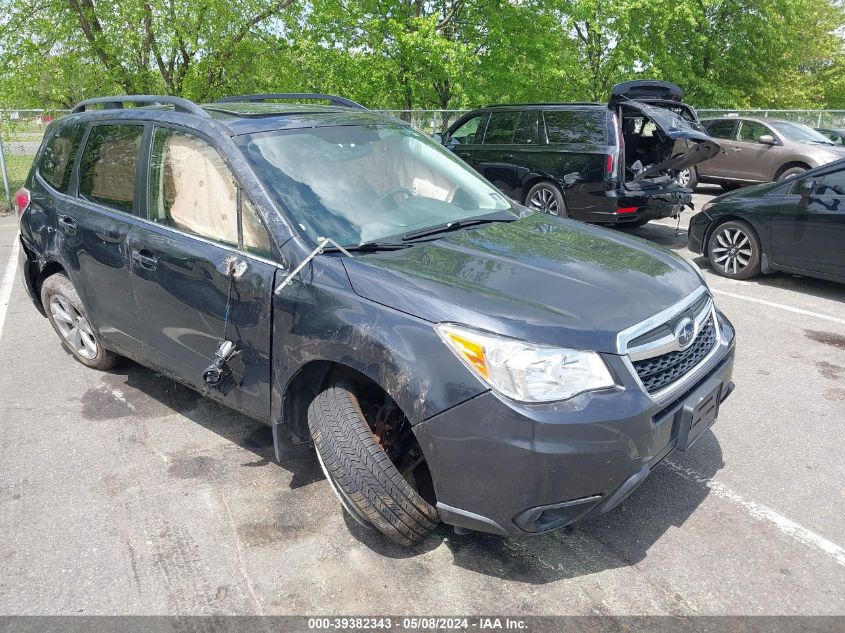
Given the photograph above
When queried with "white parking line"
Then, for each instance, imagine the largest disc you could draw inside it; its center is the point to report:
(8, 282)
(779, 306)
(763, 513)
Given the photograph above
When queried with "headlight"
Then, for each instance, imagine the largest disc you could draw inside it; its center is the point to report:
(527, 372)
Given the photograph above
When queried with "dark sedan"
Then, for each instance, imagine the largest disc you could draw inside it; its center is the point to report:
(796, 226)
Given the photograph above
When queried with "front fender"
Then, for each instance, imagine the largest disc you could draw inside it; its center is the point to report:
(320, 319)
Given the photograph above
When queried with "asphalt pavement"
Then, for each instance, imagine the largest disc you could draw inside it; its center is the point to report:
(124, 493)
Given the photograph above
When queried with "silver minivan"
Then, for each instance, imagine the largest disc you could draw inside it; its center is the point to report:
(763, 150)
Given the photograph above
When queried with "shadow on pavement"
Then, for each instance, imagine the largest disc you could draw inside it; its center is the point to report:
(617, 539)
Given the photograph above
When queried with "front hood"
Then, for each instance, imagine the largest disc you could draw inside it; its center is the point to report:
(539, 278)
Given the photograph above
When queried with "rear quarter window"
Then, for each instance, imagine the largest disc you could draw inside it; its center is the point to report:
(576, 126)
(56, 162)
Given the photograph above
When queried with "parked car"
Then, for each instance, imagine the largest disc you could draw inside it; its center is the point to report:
(763, 150)
(332, 272)
(613, 163)
(836, 136)
(796, 226)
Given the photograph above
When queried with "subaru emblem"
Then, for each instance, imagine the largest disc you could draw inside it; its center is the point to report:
(685, 332)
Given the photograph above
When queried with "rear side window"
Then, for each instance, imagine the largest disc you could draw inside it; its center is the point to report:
(107, 171)
(500, 128)
(721, 129)
(56, 162)
(832, 184)
(576, 126)
(527, 130)
(192, 189)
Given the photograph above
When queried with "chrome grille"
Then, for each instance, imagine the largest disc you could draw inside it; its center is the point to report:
(661, 371)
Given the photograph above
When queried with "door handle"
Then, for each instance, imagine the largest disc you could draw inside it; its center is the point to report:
(464, 154)
(111, 238)
(68, 224)
(736, 149)
(145, 259)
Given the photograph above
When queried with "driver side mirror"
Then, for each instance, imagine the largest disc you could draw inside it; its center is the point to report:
(805, 188)
(767, 139)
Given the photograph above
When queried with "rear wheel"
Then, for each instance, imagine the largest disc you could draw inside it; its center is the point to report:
(372, 462)
(548, 198)
(68, 318)
(734, 250)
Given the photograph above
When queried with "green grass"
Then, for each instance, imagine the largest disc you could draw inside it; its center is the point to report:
(17, 168)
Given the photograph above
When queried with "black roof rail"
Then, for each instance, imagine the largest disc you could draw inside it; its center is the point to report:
(538, 105)
(116, 103)
(294, 96)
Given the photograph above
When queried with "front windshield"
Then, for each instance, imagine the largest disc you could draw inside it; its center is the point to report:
(800, 133)
(359, 184)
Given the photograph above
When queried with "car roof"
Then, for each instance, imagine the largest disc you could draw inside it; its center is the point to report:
(536, 106)
(235, 117)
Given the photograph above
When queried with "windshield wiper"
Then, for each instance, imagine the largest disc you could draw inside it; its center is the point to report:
(452, 226)
(366, 247)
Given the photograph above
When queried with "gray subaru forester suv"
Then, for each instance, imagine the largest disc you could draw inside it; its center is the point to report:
(333, 273)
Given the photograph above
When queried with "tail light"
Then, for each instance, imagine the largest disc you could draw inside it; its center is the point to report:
(608, 167)
(22, 200)
(626, 209)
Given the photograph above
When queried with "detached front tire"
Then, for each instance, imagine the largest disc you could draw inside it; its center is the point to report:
(361, 474)
(67, 316)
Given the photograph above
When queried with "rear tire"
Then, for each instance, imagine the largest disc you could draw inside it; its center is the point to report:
(367, 483)
(687, 178)
(546, 197)
(70, 321)
(734, 250)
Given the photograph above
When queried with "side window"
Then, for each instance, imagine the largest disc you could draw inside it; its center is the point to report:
(56, 162)
(192, 189)
(467, 134)
(751, 131)
(576, 126)
(527, 130)
(721, 128)
(107, 171)
(500, 128)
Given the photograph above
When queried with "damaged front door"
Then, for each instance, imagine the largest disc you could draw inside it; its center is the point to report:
(201, 273)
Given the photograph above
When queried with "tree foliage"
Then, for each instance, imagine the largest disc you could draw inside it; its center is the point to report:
(423, 53)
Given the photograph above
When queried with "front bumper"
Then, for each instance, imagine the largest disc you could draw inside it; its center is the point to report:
(697, 231)
(512, 469)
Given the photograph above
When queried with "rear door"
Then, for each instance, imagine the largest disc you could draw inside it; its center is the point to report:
(201, 223)
(93, 226)
(809, 232)
(720, 165)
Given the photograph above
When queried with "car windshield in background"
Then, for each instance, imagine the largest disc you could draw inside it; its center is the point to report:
(360, 184)
(800, 133)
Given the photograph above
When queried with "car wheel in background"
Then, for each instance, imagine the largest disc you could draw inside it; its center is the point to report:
(791, 172)
(362, 474)
(687, 178)
(548, 198)
(734, 250)
(67, 316)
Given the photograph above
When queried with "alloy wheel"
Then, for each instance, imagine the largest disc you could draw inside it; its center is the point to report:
(683, 178)
(733, 251)
(544, 200)
(74, 327)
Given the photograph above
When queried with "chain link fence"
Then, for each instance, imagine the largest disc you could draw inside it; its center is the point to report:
(21, 132)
